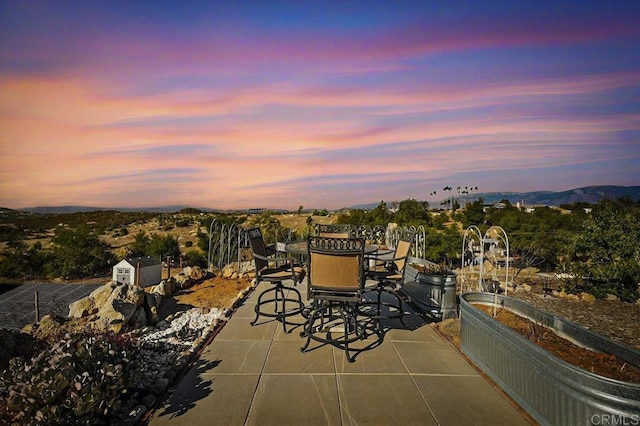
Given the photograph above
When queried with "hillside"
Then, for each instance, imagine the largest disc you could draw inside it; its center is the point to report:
(588, 194)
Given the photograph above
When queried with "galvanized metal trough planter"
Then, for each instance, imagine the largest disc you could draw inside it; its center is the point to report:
(551, 390)
(433, 294)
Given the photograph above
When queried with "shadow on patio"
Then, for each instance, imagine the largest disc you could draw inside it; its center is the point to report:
(258, 375)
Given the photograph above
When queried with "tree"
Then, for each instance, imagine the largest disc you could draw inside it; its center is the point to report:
(412, 212)
(140, 244)
(474, 214)
(449, 200)
(380, 216)
(525, 257)
(300, 209)
(80, 253)
(20, 262)
(607, 253)
(163, 247)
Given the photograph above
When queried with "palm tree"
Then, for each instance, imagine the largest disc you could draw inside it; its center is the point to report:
(448, 188)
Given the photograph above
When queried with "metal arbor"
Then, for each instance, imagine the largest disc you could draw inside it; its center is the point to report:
(488, 247)
(496, 236)
(472, 243)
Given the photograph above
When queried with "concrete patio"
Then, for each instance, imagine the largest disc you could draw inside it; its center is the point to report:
(256, 375)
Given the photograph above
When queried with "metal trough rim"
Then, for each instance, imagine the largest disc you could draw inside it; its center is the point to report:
(629, 355)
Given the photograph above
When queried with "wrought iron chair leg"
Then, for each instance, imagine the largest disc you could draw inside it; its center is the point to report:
(345, 321)
(260, 302)
(308, 328)
(401, 308)
(281, 317)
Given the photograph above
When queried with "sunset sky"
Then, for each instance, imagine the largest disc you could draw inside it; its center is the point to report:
(323, 104)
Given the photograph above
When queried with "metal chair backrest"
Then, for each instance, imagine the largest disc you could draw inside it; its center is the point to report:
(335, 266)
(258, 247)
(334, 231)
(403, 249)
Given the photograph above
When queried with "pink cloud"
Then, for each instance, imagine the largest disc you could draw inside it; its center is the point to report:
(97, 148)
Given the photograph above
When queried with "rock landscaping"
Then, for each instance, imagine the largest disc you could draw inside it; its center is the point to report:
(142, 353)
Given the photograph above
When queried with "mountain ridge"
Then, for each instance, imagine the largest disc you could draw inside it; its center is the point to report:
(589, 194)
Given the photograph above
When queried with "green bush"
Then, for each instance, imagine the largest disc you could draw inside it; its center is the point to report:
(606, 253)
(195, 258)
(81, 379)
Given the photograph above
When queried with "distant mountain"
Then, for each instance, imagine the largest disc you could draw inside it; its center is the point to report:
(82, 209)
(10, 214)
(161, 209)
(588, 194)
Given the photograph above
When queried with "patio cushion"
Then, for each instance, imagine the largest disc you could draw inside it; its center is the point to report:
(283, 273)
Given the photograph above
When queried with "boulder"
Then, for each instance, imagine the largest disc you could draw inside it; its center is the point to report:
(229, 270)
(120, 307)
(101, 294)
(92, 303)
(152, 316)
(182, 280)
(196, 273)
(81, 307)
(46, 328)
(165, 288)
(139, 318)
(152, 302)
(612, 297)
(588, 297)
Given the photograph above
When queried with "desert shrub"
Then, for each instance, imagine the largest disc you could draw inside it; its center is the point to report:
(81, 379)
(195, 258)
(182, 223)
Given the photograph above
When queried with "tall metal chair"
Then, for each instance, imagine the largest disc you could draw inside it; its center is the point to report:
(389, 276)
(275, 270)
(335, 284)
(334, 231)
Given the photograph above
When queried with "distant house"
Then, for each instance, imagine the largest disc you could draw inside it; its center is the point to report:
(142, 271)
(497, 206)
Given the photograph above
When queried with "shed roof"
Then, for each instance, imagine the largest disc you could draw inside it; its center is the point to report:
(143, 261)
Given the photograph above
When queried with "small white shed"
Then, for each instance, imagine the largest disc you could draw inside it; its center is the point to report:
(143, 271)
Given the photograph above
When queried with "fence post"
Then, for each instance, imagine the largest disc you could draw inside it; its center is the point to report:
(37, 307)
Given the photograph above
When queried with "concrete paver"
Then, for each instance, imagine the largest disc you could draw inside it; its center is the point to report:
(383, 400)
(237, 356)
(257, 375)
(466, 400)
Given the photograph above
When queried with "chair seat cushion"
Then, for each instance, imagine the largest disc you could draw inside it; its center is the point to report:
(283, 273)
